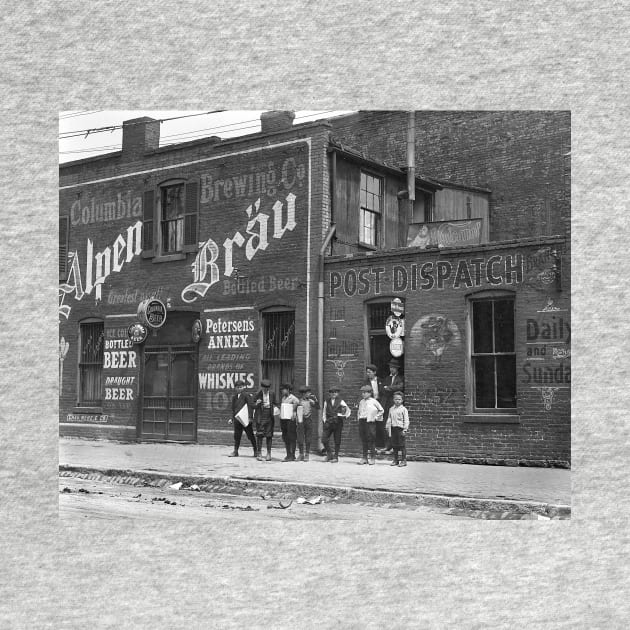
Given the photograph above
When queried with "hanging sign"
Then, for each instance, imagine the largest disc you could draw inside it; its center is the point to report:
(196, 331)
(137, 332)
(397, 307)
(394, 327)
(396, 347)
(152, 313)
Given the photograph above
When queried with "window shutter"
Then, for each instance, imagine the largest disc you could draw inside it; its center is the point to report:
(148, 209)
(191, 217)
(64, 223)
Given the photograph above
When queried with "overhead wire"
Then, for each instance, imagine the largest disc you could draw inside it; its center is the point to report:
(192, 134)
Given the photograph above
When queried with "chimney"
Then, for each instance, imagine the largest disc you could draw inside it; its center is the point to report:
(276, 121)
(140, 136)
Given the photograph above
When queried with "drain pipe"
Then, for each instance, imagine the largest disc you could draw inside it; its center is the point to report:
(411, 157)
(320, 330)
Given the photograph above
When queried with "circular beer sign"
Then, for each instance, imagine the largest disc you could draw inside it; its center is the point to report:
(396, 347)
(137, 332)
(397, 307)
(394, 327)
(152, 313)
(196, 331)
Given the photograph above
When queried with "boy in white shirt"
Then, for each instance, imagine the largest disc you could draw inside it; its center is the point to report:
(288, 419)
(333, 414)
(370, 412)
(397, 427)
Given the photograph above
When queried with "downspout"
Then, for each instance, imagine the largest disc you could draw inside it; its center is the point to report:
(411, 158)
(320, 328)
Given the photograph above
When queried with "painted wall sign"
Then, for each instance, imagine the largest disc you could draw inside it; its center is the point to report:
(444, 233)
(124, 206)
(260, 284)
(133, 296)
(464, 273)
(229, 333)
(87, 418)
(117, 356)
(137, 332)
(152, 313)
(205, 269)
(99, 266)
(432, 335)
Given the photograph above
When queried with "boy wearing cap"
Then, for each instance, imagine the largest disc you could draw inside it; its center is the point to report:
(264, 404)
(370, 411)
(392, 383)
(308, 403)
(288, 420)
(241, 407)
(397, 427)
(334, 412)
(376, 384)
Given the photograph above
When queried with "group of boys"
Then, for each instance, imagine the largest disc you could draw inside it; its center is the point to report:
(381, 424)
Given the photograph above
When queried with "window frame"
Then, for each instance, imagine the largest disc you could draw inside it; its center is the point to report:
(96, 402)
(154, 219)
(500, 414)
(63, 247)
(285, 362)
(365, 209)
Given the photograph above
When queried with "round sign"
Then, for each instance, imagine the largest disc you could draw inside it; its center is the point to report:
(396, 347)
(394, 327)
(137, 332)
(152, 313)
(196, 331)
(397, 307)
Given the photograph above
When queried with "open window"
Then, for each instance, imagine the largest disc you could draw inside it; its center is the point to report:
(170, 219)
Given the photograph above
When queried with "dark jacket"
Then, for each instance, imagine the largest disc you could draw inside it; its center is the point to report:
(239, 401)
(258, 405)
(333, 411)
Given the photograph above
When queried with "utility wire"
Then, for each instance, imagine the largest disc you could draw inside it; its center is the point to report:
(87, 132)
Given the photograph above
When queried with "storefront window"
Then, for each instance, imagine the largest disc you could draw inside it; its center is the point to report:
(493, 354)
(91, 363)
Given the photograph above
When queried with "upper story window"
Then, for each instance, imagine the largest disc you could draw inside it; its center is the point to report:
(170, 219)
(371, 207)
(64, 227)
(493, 355)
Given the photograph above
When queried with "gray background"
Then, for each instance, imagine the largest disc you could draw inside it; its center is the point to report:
(328, 55)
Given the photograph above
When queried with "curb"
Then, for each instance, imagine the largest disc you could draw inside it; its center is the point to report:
(283, 489)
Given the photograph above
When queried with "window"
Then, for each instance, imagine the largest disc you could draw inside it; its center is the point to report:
(92, 336)
(493, 355)
(63, 246)
(170, 225)
(172, 228)
(278, 329)
(379, 343)
(371, 200)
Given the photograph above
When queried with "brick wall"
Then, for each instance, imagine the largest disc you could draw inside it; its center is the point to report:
(438, 378)
(103, 215)
(522, 156)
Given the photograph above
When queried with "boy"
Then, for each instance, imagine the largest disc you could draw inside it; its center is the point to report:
(241, 408)
(335, 410)
(397, 427)
(308, 402)
(288, 419)
(264, 416)
(392, 383)
(376, 384)
(370, 412)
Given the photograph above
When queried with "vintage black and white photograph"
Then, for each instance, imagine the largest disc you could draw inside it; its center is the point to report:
(326, 316)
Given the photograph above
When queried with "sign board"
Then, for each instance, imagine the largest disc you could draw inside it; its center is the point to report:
(394, 327)
(396, 347)
(137, 332)
(444, 234)
(152, 313)
(397, 307)
(196, 331)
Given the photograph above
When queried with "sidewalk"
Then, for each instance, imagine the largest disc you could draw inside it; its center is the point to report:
(476, 484)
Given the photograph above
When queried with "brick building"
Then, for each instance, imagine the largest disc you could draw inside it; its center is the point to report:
(278, 255)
